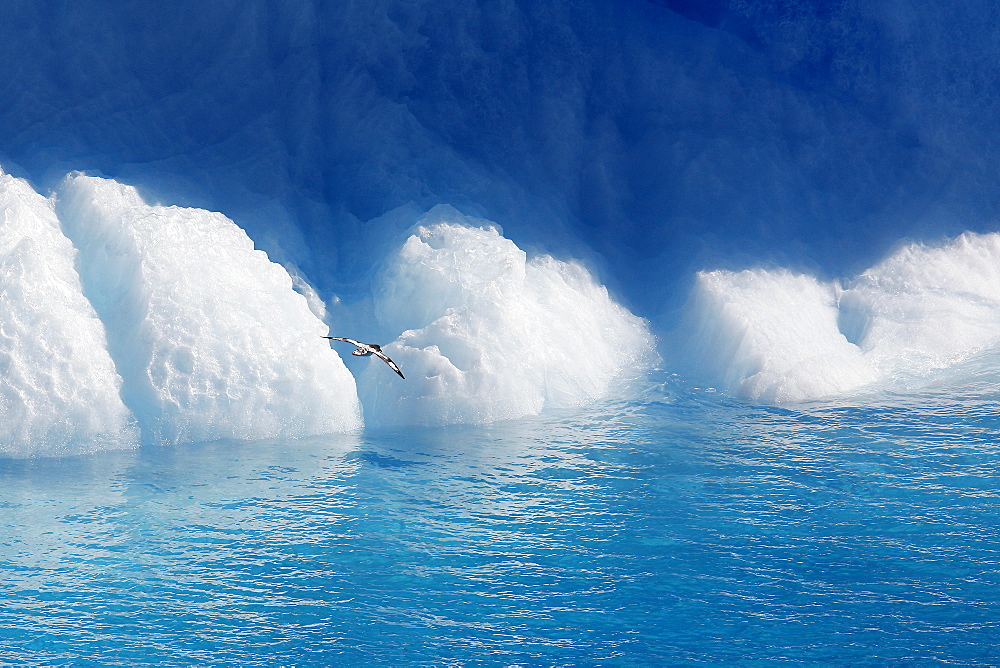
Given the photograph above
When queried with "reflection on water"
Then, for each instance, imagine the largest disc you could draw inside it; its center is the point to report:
(683, 526)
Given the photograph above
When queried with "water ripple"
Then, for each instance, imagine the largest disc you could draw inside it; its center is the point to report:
(683, 527)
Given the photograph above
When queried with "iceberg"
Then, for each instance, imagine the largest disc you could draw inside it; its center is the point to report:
(776, 336)
(132, 322)
(771, 336)
(209, 336)
(490, 334)
(928, 307)
(59, 390)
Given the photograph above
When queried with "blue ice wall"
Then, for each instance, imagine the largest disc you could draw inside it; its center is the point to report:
(652, 139)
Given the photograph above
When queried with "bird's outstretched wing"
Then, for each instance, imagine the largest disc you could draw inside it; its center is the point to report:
(382, 356)
(374, 349)
(340, 338)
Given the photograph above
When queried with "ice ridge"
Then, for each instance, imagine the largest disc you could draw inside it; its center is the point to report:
(59, 390)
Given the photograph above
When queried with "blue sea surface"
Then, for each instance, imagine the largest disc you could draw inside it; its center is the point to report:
(679, 527)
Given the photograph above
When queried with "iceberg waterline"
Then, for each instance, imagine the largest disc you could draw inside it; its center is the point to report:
(128, 322)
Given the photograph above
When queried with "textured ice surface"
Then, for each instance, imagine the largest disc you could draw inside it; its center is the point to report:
(778, 336)
(59, 391)
(928, 307)
(489, 334)
(209, 336)
(772, 336)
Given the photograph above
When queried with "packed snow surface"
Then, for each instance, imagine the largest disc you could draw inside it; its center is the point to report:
(209, 335)
(59, 391)
(777, 336)
(490, 334)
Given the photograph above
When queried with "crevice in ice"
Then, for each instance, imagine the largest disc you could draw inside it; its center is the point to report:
(852, 319)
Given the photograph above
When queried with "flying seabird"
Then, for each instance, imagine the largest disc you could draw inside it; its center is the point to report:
(369, 349)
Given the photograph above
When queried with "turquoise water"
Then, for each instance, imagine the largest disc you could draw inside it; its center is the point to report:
(679, 527)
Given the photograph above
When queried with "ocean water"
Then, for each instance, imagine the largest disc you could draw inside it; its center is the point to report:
(680, 526)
